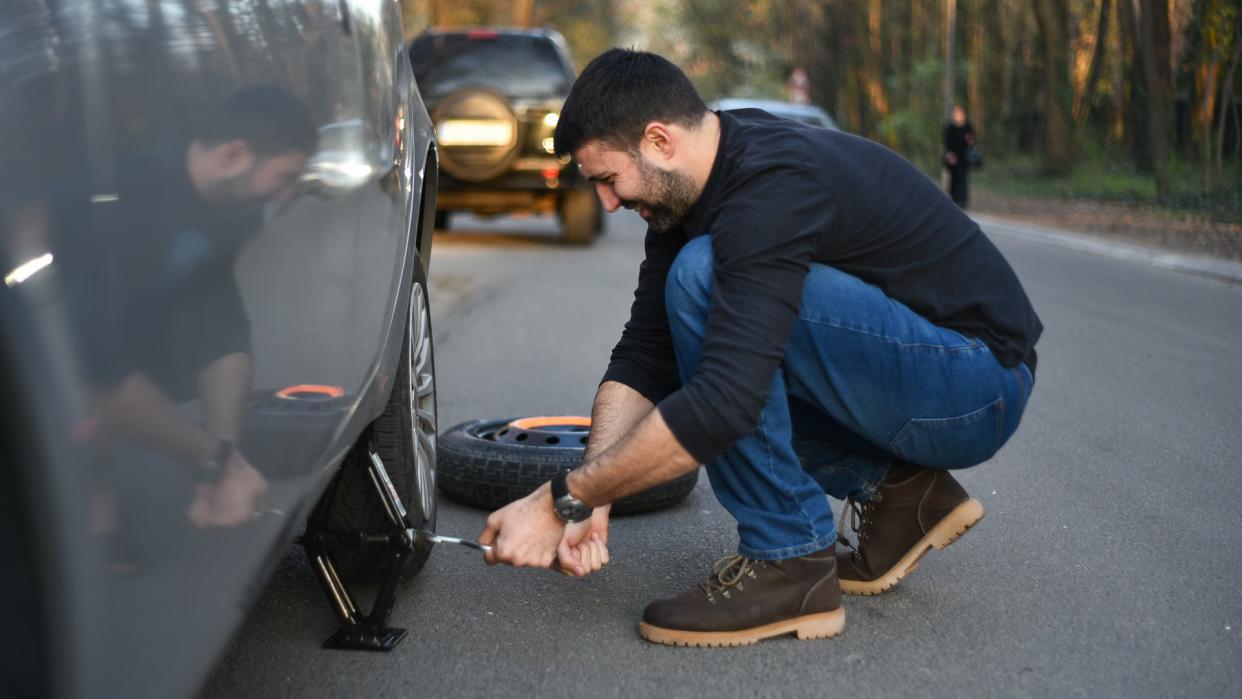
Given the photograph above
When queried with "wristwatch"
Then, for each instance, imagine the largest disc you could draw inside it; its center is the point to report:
(213, 469)
(569, 508)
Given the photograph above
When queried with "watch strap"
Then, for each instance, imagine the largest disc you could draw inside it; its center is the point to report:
(213, 469)
(566, 506)
(560, 485)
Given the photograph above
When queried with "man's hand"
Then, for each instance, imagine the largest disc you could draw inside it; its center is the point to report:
(232, 501)
(524, 533)
(584, 545)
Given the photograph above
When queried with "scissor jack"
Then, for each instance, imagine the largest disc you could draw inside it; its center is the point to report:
(363, 631)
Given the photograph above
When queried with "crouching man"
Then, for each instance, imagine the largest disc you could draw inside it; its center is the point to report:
(813, 316)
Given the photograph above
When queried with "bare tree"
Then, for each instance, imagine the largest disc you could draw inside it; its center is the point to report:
(1082, 107)
(523, 11)
(1053, 19)
(1227, 102)
(1154, 47)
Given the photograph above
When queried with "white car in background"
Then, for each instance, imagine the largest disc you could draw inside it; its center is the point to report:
(805, 113)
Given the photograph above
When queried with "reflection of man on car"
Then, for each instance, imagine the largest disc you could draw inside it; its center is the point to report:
(149, 270)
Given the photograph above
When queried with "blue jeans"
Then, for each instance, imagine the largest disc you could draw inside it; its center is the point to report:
(865, 381)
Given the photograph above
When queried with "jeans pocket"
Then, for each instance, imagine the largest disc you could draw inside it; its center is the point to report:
(952, 442)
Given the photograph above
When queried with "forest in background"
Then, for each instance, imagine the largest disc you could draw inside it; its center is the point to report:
(1124, 99)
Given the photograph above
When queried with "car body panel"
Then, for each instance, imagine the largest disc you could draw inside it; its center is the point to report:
(138, 602)
(805, 113)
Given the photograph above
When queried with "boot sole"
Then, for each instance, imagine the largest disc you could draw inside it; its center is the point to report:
(946, 531)
(810, 626)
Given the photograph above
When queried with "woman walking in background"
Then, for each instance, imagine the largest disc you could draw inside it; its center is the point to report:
(959, 138)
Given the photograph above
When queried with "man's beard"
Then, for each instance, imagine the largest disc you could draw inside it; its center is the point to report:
(667, 195)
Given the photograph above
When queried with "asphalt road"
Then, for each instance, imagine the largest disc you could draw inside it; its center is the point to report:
(1108, 562)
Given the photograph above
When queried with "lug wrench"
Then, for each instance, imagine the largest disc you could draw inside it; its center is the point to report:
(423, 535)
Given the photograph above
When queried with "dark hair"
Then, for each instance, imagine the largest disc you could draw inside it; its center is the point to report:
(618, 94)
(269, 119)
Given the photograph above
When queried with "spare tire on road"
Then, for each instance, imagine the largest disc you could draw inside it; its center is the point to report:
(491, 463)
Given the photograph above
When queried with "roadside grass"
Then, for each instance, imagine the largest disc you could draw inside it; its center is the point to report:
(1098, 180)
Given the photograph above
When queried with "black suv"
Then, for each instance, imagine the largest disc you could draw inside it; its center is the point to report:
(495, 95)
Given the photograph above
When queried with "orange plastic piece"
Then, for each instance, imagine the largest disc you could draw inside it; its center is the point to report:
(291, 391)
(530, 423)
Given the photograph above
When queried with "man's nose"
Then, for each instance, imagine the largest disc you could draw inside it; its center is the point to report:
(606, 196)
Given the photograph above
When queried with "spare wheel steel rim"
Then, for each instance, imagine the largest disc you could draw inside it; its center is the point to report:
(565, 431)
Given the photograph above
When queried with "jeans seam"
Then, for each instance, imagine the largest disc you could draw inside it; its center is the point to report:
(973, 345)
(810, 521)
(1000, 425)
(894, 444)
(1023, 389)
(869, 486)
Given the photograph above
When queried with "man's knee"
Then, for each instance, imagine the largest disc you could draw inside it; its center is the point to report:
(690, 276)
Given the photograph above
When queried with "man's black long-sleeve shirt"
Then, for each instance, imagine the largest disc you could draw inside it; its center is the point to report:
(780, 196)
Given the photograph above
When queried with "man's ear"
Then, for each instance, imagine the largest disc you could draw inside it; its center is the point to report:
(658, 141)
(233, 157)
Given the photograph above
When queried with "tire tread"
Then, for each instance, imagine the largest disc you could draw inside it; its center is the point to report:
(489, 475)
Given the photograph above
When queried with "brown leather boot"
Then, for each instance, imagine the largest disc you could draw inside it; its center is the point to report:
(744, 601)
(914, 509)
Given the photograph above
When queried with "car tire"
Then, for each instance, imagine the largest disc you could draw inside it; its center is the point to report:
(404, 437)
(478, 163)
(579, 216)
(477, 470)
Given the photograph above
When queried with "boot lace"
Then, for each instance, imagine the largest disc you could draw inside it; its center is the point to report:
(728, 573)
(859, 515)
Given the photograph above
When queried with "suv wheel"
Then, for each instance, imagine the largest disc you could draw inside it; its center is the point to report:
(404, 437)
(580, 217)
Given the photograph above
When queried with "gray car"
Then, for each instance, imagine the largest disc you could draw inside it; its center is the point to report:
(805, 113)
(215, 230)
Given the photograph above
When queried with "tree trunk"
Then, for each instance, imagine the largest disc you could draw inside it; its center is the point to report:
(441, 13)
(1134, 116)
(522, 12)
(851, 20)
(1206, 79)
(1154, 47)
(1226, 103)
(874, 67)
(1052, 18)
(997, 85)
(974, 84)
(950, 58)
(1083, 108)
(821, 57)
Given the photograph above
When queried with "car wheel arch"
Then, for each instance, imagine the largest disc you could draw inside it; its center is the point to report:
(427, 207)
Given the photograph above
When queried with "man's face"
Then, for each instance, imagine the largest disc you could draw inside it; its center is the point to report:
(959, 116)
(245, 182)
(661, 196)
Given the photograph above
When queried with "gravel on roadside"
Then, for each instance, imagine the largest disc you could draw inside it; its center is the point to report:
(1136, 225)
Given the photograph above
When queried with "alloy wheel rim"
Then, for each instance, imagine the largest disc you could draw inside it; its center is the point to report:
(422, 393)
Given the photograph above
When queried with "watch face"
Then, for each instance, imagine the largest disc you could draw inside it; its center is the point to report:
(572, 511)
